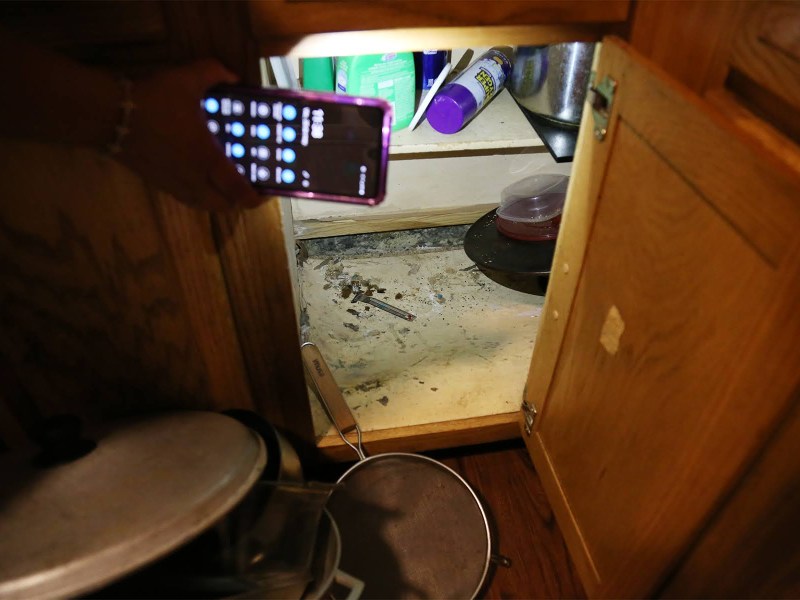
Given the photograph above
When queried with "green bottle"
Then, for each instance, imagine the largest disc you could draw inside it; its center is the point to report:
(388, 76)
(318, 74)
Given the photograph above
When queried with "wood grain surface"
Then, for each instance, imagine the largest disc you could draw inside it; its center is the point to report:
(414, 219)
(250, 244)
(657, 426)
(705, 29)
(522, 523)
(116, 299)
(659, 112)
(752, 548)
(93, 312)
(257, 277)
(418, 438)
(766, 52)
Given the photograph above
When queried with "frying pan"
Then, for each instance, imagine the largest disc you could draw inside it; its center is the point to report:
(411, 527)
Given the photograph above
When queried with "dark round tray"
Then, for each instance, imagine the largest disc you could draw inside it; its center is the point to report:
(490, 249)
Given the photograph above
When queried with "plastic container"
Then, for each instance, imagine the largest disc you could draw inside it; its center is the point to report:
(530, 209)
(318, 74)
(460, 100)
(388, 76)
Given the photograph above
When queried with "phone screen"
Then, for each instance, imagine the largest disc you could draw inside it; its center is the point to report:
(304, 144)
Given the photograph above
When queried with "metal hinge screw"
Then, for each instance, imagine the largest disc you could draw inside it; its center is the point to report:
(529, 411)
(601, 98)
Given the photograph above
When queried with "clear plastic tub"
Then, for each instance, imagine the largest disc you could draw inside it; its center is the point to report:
(530, 209)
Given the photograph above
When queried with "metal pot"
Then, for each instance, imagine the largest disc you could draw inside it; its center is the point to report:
(75, 523)
(283, 463)
(551, 81)
(161, 505)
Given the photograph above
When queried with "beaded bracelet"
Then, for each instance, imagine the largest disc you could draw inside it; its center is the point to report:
(126, 107)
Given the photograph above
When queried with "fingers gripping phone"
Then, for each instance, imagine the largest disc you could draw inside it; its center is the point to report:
(301, 144)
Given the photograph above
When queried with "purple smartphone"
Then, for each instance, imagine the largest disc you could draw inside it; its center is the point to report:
(312, 145)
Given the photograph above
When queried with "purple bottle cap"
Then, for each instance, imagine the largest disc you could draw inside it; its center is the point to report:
(451, 108)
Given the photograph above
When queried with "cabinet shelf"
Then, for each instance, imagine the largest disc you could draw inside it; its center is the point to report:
(499, 126)
(437, 180)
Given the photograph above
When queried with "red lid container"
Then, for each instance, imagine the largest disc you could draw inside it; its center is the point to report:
(530, 209)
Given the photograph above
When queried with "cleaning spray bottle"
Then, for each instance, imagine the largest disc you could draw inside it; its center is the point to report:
(459, 101)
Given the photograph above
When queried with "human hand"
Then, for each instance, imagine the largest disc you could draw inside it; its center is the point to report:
(169, 143)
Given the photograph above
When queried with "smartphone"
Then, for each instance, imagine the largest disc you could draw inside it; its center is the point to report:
(314, 145)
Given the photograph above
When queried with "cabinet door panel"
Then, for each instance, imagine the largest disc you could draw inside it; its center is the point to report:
(111, 295)
(660, 387)
(751, 549)
(677, 357)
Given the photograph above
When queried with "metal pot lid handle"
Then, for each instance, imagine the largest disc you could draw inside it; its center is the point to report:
(330, 395)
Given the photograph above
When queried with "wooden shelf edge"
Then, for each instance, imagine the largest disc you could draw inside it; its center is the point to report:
(419, 38)
(417, 219)
(423, 151)
(433, 436)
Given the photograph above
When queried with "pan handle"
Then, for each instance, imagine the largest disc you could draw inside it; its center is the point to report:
(330, 395)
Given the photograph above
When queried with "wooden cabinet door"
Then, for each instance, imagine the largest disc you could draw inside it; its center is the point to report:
(669, 349)
(114, 298)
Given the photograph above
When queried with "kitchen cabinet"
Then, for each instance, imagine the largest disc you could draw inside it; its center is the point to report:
(207, 318)
(116, 298)
(662, 394)
(652, 397)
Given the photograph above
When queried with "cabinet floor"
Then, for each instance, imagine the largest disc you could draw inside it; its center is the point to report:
(523, 526)
(465, 355)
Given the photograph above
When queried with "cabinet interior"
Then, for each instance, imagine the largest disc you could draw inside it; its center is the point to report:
(467, 352)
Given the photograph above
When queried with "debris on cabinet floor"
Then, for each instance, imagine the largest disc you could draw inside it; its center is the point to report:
(466, 353)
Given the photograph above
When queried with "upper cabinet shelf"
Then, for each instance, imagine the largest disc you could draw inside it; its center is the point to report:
(499, 126)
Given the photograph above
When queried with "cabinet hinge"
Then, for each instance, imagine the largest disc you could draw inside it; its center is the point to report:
(601, 97)
(529, 410)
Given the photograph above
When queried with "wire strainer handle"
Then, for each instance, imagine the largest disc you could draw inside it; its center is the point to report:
(330, 395)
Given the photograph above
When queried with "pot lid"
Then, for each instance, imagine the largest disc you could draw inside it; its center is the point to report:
(150, 485)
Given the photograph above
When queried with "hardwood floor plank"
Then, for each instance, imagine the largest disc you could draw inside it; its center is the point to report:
(523, 525)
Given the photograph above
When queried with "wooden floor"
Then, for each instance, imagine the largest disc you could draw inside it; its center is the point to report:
(523, 527)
